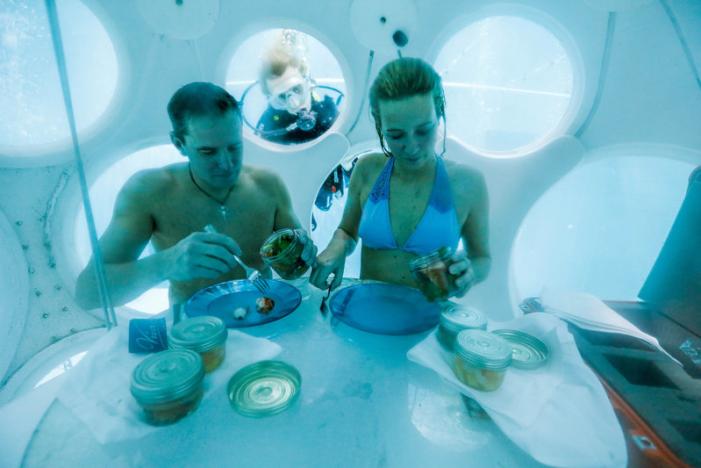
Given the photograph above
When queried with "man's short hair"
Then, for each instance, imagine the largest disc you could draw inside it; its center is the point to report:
(199, 99)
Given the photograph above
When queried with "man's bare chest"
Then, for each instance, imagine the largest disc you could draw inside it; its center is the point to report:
(248, 219)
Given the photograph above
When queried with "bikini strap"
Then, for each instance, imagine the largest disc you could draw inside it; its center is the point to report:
(441, 195)
(380, 191)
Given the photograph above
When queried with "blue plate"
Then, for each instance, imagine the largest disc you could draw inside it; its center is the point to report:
(222, 299)
(384, 308)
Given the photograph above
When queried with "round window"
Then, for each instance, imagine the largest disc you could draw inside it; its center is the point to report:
(508, 84)
(30, 92)
(290, 84)
(103, 194)
(600, 228)
(328, 207)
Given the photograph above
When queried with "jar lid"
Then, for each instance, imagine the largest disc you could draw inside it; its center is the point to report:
(458, 318)
(199, 334)
(264, 388)
(528, 352)
(483, 349)
(167, 376)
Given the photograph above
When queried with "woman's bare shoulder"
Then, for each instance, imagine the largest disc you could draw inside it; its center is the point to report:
(369, 165)
(464, 177)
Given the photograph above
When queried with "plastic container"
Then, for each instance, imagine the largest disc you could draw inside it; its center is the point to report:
(205, 335)
(481, 359)
(168, 385)
(431, 274)
(282, 251)
(456, 319)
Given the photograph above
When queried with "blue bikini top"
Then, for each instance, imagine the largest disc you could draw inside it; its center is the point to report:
(437, 228)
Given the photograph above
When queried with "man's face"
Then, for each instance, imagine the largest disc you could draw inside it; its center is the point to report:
(214, 146)
(289, 92)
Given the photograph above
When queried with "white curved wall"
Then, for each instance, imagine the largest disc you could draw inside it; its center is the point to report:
(14, 294)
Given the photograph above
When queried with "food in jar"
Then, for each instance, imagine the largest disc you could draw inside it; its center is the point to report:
(283, 252)
(264, 304)
(162, 414)
(486, 380)
(205, 335)
(278, 245)
(213, 358)
(432, 275)
(240, 313)
(168, 385)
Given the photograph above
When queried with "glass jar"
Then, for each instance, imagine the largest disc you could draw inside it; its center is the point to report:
(456, 319)
(205, 335)
(431, 274)
(481, 359)
(282, 251)
(168, 385)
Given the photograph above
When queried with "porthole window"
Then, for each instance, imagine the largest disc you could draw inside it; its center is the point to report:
(103, 194)
(291, 86)
(600, 228)
(49, 363)
(34, 116)
(508, 84)
(328, 210)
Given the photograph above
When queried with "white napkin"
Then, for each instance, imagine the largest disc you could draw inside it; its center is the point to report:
(559, 414)
(589, 312)
(97, 389)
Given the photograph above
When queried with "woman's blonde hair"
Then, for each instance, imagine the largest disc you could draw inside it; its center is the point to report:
(403, 78)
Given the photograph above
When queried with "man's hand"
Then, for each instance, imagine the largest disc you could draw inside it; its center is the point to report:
(309, 251)
(200, 255)
(461, 269)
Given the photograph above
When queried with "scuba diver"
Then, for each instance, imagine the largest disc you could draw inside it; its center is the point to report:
(297, 112)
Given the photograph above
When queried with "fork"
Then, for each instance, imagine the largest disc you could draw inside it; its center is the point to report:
(324, 307)
(252, 274)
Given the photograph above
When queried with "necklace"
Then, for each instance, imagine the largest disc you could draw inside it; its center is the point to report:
(222, 204)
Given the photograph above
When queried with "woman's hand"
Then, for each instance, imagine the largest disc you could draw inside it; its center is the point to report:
(461, 269)
(330, 262)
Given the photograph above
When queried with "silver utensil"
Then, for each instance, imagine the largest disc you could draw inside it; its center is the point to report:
(324, 307)
(252, 274)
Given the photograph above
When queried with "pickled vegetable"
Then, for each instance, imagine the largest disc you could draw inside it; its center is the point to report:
(170, 412)
(486, 380)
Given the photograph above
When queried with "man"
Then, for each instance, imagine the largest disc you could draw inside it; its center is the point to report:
(170, 207)
(296, 112)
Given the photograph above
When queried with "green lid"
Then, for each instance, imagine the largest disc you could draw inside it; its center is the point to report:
(459, 318)
(528, 352)
(167, 376)
(264, 388)
(483, 349)
(199, 334)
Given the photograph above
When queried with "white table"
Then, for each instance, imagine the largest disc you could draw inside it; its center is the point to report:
(362, 403)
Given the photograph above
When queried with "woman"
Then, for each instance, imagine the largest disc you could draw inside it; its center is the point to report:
(408, 202)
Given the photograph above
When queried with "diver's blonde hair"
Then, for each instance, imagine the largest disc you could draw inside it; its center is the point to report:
(287, 51)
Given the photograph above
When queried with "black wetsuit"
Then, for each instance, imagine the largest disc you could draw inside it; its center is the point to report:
(273, 121)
